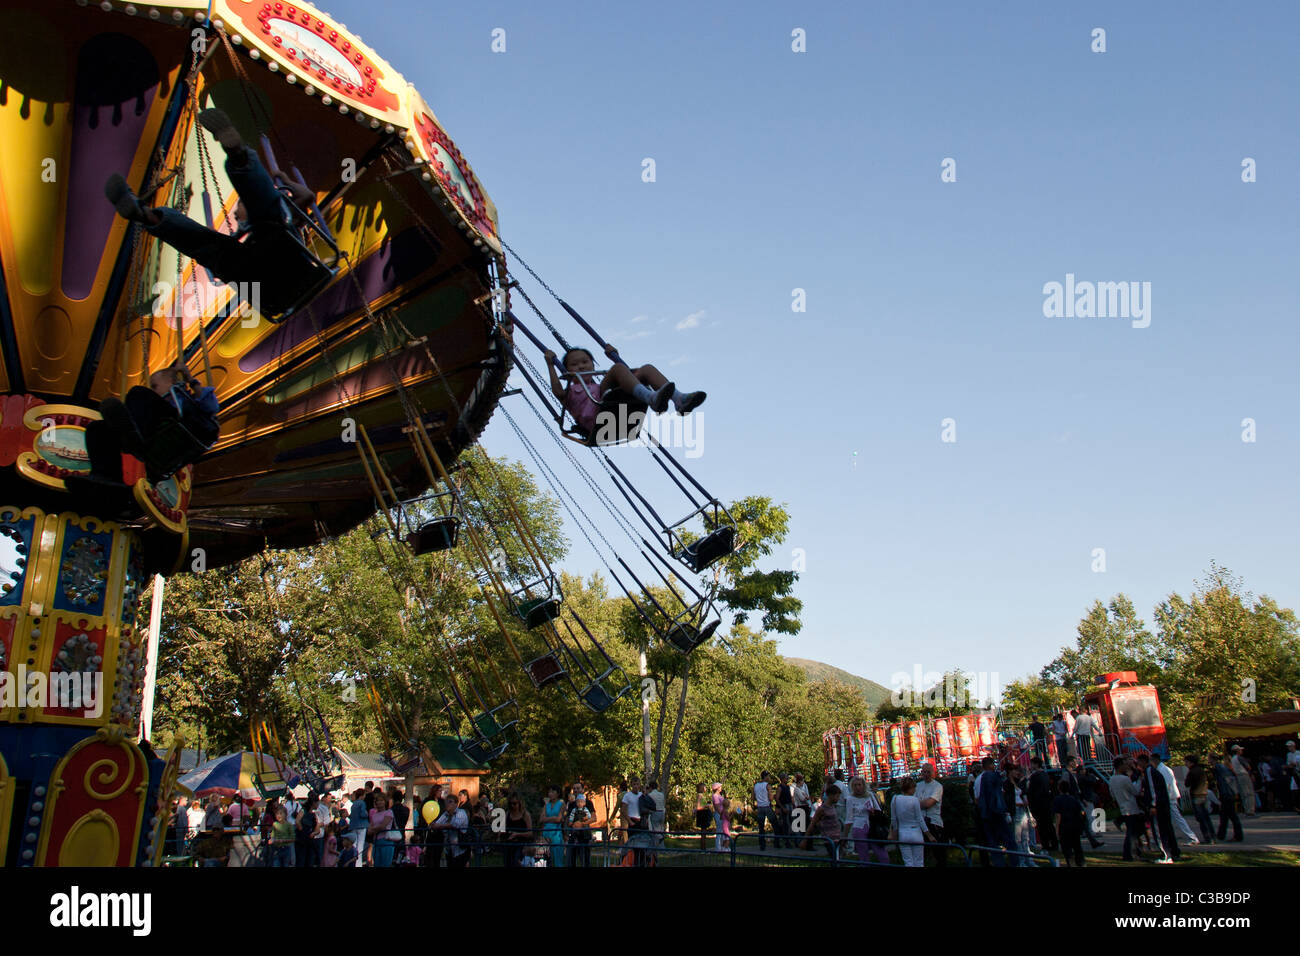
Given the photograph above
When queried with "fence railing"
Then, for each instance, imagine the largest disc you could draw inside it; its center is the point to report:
(620, 847)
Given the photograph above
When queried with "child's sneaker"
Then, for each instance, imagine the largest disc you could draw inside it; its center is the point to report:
(690, 402)
(659, 404)
(123, 200)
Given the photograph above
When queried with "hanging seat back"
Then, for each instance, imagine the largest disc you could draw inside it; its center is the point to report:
(546, 669)
(438, 534)
(488, 725)
(714, 546)
(538, 611)
(414, 756)
(686, 635)
(483, 751)
(605, 691)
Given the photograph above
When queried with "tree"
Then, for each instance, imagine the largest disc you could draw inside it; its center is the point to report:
(1110, 638)
(1224, 654)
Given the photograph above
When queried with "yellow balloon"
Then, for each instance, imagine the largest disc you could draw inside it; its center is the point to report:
(429, 811)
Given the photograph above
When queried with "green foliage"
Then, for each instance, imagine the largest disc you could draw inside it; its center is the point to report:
(744, 588)
(951, 695)
(311, 629)
(1221, 653)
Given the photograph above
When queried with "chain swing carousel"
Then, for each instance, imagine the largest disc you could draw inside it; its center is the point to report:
(92, 304)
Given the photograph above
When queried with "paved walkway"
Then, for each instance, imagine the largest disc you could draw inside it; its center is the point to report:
(1264, 831)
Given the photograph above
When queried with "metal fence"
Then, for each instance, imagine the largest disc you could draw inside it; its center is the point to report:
(642, 848)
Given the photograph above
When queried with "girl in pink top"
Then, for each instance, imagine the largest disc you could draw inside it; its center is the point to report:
(586, 386)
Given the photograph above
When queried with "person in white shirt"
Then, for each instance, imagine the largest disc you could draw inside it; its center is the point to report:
(454, 825)
(907, 824)
(194, 817)
(1083, 731)
(1125, 794)
(763, 811)
(1180, 821)
(1245, 787)
(858, 811)
(842, 786)
(930, 794)
(631, 806)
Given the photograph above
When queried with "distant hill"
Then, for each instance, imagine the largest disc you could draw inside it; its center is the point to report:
(875, 694)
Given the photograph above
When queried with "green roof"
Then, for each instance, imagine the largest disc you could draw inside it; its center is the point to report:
(446, 750)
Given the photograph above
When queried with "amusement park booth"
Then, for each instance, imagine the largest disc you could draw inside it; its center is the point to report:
(1129, 714)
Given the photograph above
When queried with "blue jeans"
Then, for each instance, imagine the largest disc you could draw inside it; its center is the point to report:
(764, 814)
(998, 832)
(283, 855)
(383, 852)
(718, 836)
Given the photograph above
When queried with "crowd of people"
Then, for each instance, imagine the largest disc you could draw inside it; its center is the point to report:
(1019, 809)
(369, 827)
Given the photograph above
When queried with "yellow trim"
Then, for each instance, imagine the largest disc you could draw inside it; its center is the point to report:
(111, 736)
(6, 806)
(167, 783)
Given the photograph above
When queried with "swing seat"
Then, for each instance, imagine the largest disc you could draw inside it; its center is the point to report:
(596, 697)
(270, 784)
(686, 636)
(408, 760)
(173, 447)
(436, 535)
(715, 545)
(298, 275)
(483, 751)
(488, 726)
(618, 420)
(538, 611)
(320, 783)
(546, 669)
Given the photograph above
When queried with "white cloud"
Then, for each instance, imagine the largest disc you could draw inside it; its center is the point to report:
(691, 321)
(640, 318)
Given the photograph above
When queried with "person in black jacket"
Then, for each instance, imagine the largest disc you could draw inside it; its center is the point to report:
(994, 812)
(1156, 793)
(1040, 804)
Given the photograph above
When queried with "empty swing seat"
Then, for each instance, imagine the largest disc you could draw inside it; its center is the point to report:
(487, 724)
(483, 751)
(538, 611)
(406, 761)
(686, 637)
(546, 669)
(436, 535)
(598, 698)
(712, 547)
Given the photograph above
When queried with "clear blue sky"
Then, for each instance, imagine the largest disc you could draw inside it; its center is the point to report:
(821, 171)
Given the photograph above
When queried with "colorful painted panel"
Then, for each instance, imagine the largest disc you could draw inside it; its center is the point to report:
(96, 804)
